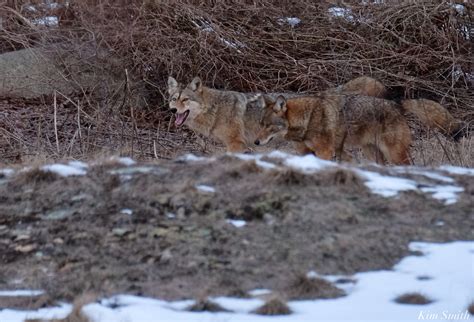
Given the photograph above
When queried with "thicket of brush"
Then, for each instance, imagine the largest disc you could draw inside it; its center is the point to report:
(417, 48)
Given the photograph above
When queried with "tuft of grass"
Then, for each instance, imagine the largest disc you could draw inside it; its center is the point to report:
(470, 308)
(292, 177)
(340, 177)
(413, 298)
(424, 278)
(206, 305)
(35, 176)
(76, 313)
(274, 306)
(304, 287)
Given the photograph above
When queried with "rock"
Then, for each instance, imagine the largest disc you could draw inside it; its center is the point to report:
(22, 237)
(159, 232)
(120, 231)
(26, 248)
(166, 256)
(28, 73)
(58, 214)
(58, 241)
(181, 213)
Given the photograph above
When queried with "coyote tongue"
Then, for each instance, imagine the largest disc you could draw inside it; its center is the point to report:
(180, 118)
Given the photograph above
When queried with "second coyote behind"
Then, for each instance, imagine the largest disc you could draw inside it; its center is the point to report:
(324, 124)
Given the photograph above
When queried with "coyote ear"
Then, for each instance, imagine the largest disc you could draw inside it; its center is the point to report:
(280, 105)
(196, 84)
(172, 85)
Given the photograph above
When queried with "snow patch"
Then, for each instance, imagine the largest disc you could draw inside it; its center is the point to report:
(126, 211)
(126, 161)
(448, 193)
(194, 158)
(64, 170)
(425, 173)
(7, 172)
(386, 186)
(206, 26)
(78, 164)
(204, 188)
(460, 8)
(21, 293)
(48, 21)
(59, 312)
(457, 170)
(308, 163)
(341, 12)
(237, 223)
(257, 158)
(259, 292)
(292, 21)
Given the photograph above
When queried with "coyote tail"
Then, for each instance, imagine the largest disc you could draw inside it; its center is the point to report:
(435, 116)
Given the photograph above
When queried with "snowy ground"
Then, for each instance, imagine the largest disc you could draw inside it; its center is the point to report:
(441, 187)
(444, 189)
(444, 273)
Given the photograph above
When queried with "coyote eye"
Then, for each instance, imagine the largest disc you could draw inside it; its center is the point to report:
(174, 99)
(185, 100)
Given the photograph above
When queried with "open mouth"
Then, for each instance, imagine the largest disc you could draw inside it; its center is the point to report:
(181, 118)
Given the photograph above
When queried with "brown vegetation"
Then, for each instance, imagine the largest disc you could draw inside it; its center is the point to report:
(274, 306)
(413, 298)
(470, 308)
(207, 305)
(76, 314)
(304, 287)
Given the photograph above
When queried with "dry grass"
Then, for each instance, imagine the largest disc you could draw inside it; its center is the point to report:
(34, 175)
(274, 306)
(414, 298)
(304, 287)
(342, 177)
(206, 305)
(291, 177)
(437, 150)
(121, 108)
(470, 308)
(76, 314)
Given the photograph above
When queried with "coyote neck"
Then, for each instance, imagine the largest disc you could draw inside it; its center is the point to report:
(204, 122)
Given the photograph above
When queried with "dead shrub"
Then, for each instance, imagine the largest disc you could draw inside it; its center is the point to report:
(34, 176)
(292, 177)
(76, 314)
(340, 177)
(206, 305)
(274, 306)
(302, 287)
(414, 298)
(470, 308)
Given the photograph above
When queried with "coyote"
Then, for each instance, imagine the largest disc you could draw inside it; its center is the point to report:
(324, 124)
(232, 117)
(224, 115)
